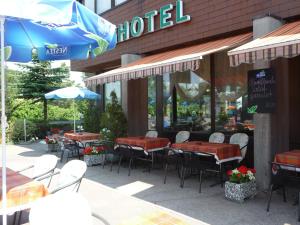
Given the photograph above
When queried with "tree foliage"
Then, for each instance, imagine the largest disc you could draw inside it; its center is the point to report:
(113, 118)
(38, 78)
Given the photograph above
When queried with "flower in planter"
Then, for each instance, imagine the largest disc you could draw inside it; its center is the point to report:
(93, 150)
(50, 140)
(241, 174)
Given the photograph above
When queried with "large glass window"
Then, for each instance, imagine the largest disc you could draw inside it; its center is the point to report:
(187, 99)
(103, 5)
(151, 103)
(118, 2)
(90, 4)
(109, 88)
(231, 95)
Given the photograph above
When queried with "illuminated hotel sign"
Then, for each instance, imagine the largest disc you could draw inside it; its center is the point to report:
(136, 27)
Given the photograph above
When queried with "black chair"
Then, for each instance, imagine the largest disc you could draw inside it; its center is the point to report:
(172, 156)
(124, 151)
(108, 151)
(283, 175)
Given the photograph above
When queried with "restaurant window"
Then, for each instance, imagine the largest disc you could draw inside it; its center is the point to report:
(103, 5)
(90, 4)
(118, 2)
(109, 88)
(231, 95)
(151, 103)
(187, 99)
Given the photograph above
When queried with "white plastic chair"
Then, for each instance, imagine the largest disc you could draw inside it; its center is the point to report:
(70, 176)
(62, 209)
(216, 137)
(242, 140)
(182, 136)
(151, 134)
(43, 166)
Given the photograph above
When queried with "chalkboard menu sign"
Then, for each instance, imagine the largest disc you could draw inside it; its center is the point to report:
(261, 91)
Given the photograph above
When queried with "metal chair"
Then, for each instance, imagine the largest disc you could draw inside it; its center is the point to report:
(216, 137)
(172, 154)
(242, 140)
(72, 148)
(70, 177)
(152, 134)
(62, 209)
(109, 152)
(125, 151)
(43, 165)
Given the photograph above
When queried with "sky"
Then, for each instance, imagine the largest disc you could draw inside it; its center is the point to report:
(74, 76)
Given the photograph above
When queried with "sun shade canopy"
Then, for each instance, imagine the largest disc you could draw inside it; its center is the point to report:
(283, 42)
(183, 59)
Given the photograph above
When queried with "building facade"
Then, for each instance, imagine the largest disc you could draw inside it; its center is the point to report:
(200, 90)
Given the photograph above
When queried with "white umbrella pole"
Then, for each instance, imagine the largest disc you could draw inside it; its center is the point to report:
(74, 116)
(3, 123)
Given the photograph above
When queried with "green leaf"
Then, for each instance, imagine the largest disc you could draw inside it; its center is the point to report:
(51, 45)
(7, 52)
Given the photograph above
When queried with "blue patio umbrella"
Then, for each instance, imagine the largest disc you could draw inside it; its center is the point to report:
(72, 93)
(52, 29)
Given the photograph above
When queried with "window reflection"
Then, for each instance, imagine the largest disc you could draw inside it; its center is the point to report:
(187, 102)
(231, 95)
(110, 87)
(103, 5)
(151, 103)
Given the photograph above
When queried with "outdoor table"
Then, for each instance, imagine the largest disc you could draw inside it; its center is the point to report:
(147, 144)
(83, 137)
(291, 158)
(222, 152)
(21, 191)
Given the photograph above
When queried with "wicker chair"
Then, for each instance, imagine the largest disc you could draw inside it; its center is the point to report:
(216, 137)
(242, 140)
(152, 134)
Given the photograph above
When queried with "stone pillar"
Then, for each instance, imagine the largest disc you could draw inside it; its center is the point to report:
(263, 136)
(126, 59)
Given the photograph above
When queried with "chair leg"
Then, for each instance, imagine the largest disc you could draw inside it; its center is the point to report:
(270, 197)
(284, 193)
(111, 163)
(104, 160)
(166, 171)
(129, 168)
(299, 207)
(120, 160)
(183, 176)
(221, 175)
(200, 179)
(62, 155)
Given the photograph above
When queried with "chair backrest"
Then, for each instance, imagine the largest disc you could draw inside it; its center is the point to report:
(61, 209)
(44, 164)
(71, 175)
(182, 136)
(216, 137)
(240, 139)
(151, 134)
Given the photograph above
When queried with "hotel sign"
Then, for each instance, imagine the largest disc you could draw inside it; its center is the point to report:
(136, 27)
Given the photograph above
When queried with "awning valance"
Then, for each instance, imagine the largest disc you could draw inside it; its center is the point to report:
(183, 59)
(283, 42)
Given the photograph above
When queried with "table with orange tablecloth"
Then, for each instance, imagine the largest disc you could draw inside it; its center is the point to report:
(21, 190)
(222, 152)
(291, 158)
(83, 136)
(148, 144)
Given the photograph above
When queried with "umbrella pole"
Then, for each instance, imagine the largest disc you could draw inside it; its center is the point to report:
(3, 123)
(74, 116)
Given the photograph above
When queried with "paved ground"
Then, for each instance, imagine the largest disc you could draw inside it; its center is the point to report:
(120, 198)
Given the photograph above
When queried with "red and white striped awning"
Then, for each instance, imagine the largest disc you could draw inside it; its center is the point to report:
(183, 59)
(283, 42)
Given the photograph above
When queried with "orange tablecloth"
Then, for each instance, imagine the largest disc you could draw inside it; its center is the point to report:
(84, 136)
(146, 143)
(21, 190)
(222, 152)
(291, 158)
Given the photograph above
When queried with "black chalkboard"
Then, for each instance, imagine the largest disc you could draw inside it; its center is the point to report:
(261, 91)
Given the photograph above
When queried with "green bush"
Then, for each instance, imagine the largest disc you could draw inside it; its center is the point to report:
(16, 130)
(91, 118)
(114, 119)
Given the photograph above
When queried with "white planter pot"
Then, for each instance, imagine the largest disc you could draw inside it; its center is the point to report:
(92, 160)
(240, 192)
(53, 147)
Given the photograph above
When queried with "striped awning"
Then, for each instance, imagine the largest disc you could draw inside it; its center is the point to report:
(183, 59)
(282, 42)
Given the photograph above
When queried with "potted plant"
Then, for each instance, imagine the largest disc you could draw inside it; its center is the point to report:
(52, 144)
(241, 184)
(93, 155)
